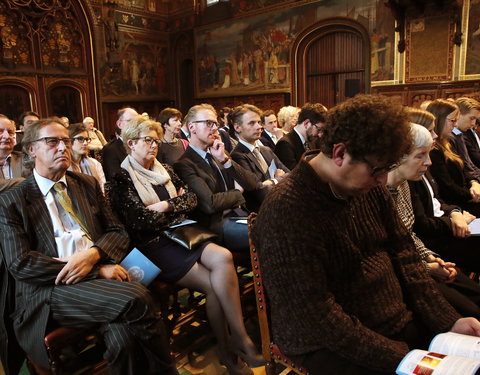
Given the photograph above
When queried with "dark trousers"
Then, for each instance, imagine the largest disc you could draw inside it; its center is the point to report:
(463, 294)
(235, 235)
(134, 335)
(326, 362)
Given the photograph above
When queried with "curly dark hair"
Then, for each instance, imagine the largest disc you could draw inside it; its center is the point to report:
(368, 125)
(315, 112)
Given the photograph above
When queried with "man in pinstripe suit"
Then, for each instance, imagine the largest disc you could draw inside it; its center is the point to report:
(61, 259)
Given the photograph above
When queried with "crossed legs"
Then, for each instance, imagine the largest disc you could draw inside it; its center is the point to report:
(215, 276)
(134, 335)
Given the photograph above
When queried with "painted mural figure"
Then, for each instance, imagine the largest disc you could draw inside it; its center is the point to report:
(135, 74)
(273, 67)
(226, 80)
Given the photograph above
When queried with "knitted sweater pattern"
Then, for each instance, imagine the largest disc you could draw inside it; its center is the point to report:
(342, 275)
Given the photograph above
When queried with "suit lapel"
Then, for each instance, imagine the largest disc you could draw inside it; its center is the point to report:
(203, 165)
(249, 155)
(16, 165)
(39, 216)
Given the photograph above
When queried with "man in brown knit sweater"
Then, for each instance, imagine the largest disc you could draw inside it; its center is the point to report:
(347, 290)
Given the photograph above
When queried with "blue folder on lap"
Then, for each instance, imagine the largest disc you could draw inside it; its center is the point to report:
(140, 268)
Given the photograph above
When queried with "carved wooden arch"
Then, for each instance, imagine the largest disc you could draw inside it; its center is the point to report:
(310, 35)
(81, 109)
(40, 37)
(23, 84)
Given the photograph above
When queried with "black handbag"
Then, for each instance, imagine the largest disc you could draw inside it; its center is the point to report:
(189, 236)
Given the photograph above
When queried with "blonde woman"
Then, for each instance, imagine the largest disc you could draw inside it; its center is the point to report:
(149, 197)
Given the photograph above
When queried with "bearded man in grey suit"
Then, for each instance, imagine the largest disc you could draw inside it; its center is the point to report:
(60, 241)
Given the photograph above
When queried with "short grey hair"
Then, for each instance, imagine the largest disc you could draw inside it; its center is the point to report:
(421, 137)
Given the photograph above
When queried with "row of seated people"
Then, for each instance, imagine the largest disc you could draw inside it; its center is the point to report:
(70, 258)
(145, 194)
(347, 288)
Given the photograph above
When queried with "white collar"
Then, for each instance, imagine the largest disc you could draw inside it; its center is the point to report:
(44, 184)
(249, 145)
(301, 136)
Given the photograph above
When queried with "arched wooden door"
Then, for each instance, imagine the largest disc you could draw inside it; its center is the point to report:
(331, 62)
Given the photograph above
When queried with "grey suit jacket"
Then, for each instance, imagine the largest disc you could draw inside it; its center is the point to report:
(28, 245)
(198, 174)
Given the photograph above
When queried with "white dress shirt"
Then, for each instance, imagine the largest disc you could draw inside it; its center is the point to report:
(69, 237)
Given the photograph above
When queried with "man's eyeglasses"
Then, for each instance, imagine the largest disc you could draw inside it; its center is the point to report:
(319, 128)
(82, 139)
(149, 140)
(208, 123)
(53, 141)
(378, 171)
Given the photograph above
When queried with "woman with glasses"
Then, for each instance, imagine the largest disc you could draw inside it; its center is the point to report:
(457, 288)
(81, 162)
(149, 197)
(171, 147)
(456, 186)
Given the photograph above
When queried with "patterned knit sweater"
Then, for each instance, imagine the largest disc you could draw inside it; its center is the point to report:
(342, 275)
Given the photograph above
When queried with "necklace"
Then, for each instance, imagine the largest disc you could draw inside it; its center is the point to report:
(335, 194)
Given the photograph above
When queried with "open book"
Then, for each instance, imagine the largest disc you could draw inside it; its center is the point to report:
(475, 227)
(449, 354)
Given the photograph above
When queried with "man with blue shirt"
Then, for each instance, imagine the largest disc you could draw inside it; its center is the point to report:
(217, 181)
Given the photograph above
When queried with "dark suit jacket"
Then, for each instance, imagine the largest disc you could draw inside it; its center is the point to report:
(290, 149)
(457, 141)
(113, 154)
(198, 174)
(28, 245)
(267, 140)
(183, 135)
(452, 182)
(18, 138)
(247, 160)
(226, 139)
(472, 147)
(426, 224)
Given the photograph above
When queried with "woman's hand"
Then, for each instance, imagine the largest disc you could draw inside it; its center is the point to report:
(475, 191)
(161, 206)
(113, 272)
(441, 270)
(459, 225)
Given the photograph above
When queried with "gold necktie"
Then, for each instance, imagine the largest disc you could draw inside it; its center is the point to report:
(67, 205)
(261, 160)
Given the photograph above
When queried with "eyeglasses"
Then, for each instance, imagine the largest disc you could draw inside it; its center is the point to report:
(208, 123)
(319, 128)
(53, 141)
(82, 139)
(378, 171)
(149, 140)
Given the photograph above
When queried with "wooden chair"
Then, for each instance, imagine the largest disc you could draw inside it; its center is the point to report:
(271, 352)
(72, 351)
